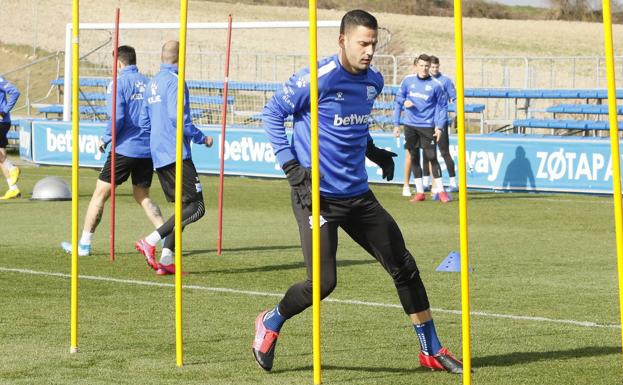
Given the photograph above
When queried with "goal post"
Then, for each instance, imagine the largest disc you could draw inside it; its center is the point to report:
(256, 25)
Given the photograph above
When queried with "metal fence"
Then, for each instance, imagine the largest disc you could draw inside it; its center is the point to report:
(480, 71)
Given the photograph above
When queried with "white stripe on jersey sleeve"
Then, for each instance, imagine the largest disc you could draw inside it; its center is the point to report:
(325, 69)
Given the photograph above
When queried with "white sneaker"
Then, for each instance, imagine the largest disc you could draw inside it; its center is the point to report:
(83, 250)
(406, 191)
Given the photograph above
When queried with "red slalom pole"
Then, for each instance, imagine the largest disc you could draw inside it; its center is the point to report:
(113, 144)
(219, 238)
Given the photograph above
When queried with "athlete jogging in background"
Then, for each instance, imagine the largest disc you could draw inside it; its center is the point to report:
(8, 97)
(347, 88)
(159, 113)
(132, 155)
(425, 116)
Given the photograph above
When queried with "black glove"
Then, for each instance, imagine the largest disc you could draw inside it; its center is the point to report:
(382, 158)
(299, 178)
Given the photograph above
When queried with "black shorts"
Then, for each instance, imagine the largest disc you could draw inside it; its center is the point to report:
(419, 137)
(191, 187)
(141, 169)
(4, 129)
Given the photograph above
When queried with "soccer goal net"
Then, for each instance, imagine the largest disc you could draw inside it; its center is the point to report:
(263, 55)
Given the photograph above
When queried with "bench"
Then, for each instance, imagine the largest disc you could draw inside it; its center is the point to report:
(597, 109)
(566, 124)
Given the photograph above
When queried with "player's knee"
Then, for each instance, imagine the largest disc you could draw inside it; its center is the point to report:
(407, 273)
(140, 194)
(327, 285)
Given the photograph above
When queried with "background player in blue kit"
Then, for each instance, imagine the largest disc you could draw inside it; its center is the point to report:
(8, 97)
(159, 115)
(444, 142)
(425, 117)
(347, 86)
(132, 155)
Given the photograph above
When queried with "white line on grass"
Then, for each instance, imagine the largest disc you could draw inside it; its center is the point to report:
(340, 301)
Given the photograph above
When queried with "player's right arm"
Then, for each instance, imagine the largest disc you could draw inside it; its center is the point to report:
(399, 100)
(120, 112)
(291, 99)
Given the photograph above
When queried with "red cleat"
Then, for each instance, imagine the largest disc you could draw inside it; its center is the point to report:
(167, 269)
(444, 197)
(419, 197)
(443, 360)
(263, 346)
(148, 252)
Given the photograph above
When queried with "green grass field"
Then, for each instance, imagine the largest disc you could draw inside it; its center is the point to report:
(550, 256)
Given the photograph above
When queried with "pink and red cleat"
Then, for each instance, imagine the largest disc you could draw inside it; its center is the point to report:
(263, 346)
(443, 360)
(148, 251)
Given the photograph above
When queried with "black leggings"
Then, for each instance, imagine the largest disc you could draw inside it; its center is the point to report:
(191, 212)
(422, 137)
(444, 149)
(367, 223)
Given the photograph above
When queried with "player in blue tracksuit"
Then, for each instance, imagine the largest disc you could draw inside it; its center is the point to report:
(444, 142)
(347, 87)
(132, 155)
(159, 115)
(8, 97)
(425, 117)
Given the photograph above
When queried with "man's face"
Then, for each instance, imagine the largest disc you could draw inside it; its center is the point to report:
(357, 48)
(422, 68)
(434, 69)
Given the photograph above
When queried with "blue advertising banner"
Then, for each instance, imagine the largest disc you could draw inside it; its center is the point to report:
(499, 162)
(25, 139)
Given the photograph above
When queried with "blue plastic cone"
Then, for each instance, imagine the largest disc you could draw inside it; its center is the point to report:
(452, 263)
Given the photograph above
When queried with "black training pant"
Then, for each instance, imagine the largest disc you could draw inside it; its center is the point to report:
(422, 137)
(444, 149)
(193, 207)
(367, 223)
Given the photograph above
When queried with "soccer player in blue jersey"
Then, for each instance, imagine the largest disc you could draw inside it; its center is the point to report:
(443, 143)
(347, 86)
(132, 155)
(425, 116)
(159, 114)
(8, 97)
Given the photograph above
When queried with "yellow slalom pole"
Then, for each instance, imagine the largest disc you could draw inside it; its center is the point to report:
(614, 145)
(315, 168)
(179, 341)
(75, 193)
(460, 111)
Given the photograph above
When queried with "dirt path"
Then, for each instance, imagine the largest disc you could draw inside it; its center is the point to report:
(42, 22)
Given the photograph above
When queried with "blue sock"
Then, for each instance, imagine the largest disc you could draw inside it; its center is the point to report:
(429, 342)
(273, 320)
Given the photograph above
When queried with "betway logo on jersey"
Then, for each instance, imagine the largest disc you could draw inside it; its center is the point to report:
(349, 120)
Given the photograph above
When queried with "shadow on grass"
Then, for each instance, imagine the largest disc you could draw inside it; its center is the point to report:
(285, 266)
(506, 195)
(250, 248)
(368, 369)
(520, 358)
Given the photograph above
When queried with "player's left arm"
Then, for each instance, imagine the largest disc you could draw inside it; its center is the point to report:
(13, 94)
(441, 112)
(190, 130)
(451, 91)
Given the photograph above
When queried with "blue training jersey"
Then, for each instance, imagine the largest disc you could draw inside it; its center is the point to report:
(430, 107)
(344, 104)
(8, 97)
(447, 85)
(159, 112)
(131, 139)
